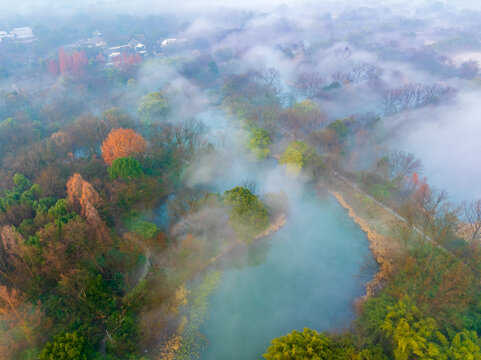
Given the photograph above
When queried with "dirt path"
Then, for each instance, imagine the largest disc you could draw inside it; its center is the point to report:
(359, 190)
(382, 246)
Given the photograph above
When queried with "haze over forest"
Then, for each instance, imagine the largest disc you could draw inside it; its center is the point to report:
(242, 180)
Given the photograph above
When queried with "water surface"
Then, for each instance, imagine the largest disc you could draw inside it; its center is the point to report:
(305, 275)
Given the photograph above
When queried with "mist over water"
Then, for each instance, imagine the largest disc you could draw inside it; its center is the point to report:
(207, 96)
(309, 278)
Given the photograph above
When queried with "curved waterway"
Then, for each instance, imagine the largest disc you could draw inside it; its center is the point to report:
(307, 274)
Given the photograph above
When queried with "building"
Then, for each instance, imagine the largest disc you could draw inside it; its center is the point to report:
(137, 46)
(19, 35)
(23, 34)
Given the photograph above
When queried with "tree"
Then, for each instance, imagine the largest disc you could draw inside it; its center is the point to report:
(465, 346)
(258, 143)
(83, 196)
(152, 107)
(298, 156)
(68, 346)
(64, 60)
(472, 214)
(247, 213)
(117, 118)
(20, 324)
(79, 62)
(309, 84)
(88, 131)
(340, 128)
(304, 117)
(325, 139)
(410, 96)
(122, 143)
(403, 164)
(413, 335)
(305, 345)
(52, 66)
(126, 168)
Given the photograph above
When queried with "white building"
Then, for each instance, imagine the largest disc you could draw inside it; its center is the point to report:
(22, 34)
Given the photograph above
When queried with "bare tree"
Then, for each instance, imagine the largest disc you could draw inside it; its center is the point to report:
(404, 164)
(472, 215)
(364, 73)
(186, 202)
(427, 216)
(339, 76)
(410, 96)
(189, 133)
(309, 84)
(342, 53)
(272, 78)
(469, 69)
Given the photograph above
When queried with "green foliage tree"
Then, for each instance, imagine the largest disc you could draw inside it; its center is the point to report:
(68, 346)
(126, 168)
(298, 156)
(340, 128)
(247, 213)
(123, 330)
(413, 334)
(152, 107)
(308, 344)
(60, 212)
(465, 346)
(258, 142)
(140, 227)
(99, 298)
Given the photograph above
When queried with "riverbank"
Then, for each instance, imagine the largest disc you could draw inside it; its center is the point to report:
(173, 345)
(373, 219)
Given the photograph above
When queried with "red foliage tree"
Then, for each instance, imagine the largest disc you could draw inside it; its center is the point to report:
(74, 63)
(125, 60)
(65, 61)
(120, 143)
(100, 57)
(79, 62)
(52, 66)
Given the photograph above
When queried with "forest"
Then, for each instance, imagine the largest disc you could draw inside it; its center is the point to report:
(265, 180)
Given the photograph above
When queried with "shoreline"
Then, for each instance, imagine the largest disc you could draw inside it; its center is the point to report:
(174, 343)
(376, 245)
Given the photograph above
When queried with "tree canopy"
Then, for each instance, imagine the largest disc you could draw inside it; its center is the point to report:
(126, 168)
(340, 128)
(298, 156)
(259, 140)
(152, 107)
(308, 344)
(122, 143)
(247, 213)
(68, 346)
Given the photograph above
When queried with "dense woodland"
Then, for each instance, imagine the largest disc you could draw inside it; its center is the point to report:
(89, 152)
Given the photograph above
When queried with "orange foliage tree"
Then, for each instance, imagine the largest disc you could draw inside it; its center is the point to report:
(20, 323)
(120, 143)
(81, 194)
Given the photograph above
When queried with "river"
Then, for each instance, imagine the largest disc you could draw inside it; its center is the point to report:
(307, 274)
